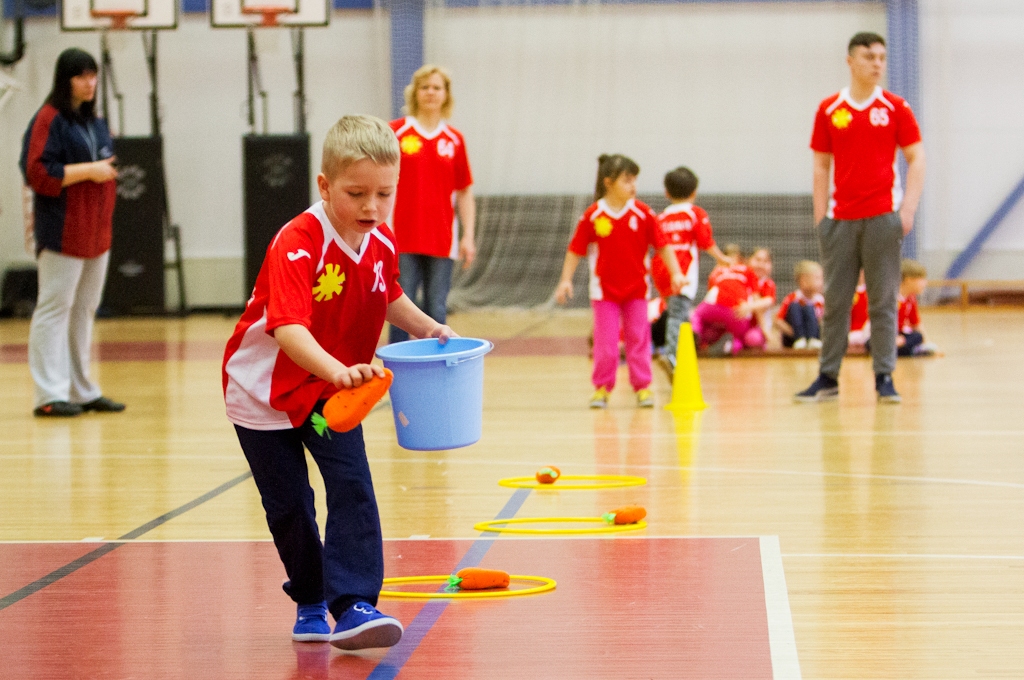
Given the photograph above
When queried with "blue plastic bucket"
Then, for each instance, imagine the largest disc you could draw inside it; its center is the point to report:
(437, 396)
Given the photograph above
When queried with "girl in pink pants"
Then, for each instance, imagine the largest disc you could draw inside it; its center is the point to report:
(615, 234)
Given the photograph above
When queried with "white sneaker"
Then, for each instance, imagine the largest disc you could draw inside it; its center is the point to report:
(801, 343)
(814, 343)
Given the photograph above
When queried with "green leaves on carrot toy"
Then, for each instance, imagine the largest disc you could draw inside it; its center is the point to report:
(627, 514)
(475, 578)
(548, 475)
(319, 424)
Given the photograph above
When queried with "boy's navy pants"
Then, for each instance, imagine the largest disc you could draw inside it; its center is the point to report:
(349, 565)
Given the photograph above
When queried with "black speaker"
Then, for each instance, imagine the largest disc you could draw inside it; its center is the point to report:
(135, 276)
(276, 190)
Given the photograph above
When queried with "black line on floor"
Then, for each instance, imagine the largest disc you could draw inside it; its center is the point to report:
(90, 557)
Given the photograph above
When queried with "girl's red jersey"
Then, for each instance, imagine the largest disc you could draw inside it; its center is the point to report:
(616, 244)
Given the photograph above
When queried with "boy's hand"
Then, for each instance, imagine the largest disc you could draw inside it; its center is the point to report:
(744, 310)
(678, 283)
(564, 292)
(442, 333)
(356, 375)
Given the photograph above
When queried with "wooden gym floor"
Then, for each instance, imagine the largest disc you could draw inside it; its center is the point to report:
(841, 540)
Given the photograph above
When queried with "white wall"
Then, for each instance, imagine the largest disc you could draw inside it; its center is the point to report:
(203, 94)
(972, 59)
(728, 89)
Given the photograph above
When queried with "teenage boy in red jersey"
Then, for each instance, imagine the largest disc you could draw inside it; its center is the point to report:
(863, 214)
(328, 283)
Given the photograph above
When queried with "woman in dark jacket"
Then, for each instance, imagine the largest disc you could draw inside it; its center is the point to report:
(67, 160)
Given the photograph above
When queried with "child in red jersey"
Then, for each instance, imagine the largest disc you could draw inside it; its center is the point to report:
(760, 261)
(310, 328)
(860, 325)
(799, 316)
(688, 230)
(729, 306)
(910, 341)
(616, 233)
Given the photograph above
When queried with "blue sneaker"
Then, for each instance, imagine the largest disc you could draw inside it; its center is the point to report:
(887, 393)
(825, 388)
(311, 623)
(362, 626)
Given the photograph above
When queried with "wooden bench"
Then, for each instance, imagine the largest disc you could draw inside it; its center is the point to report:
(965, 286)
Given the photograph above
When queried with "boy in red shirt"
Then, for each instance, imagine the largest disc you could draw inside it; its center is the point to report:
(328, 283)
(860, 326)
(688, 230)
(910, 341)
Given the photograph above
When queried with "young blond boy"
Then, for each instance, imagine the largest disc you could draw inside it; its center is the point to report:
(799, 316)
(327, 284)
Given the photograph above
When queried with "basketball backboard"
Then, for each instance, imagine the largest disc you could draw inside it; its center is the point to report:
(241, 13)
(95, 15)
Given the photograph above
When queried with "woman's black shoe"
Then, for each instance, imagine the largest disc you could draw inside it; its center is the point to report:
(59, 409)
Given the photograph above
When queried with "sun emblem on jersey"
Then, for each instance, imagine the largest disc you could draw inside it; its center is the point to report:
(602, 226)
(841, 118)
(411, 144)
(329, 284)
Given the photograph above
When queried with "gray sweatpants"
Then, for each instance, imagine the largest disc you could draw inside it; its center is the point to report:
(60, 336)
(847, 246)
(679, 309)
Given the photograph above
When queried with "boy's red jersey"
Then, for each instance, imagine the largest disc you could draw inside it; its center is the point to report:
(907, 318)
(434, 166)
(616, 244)
(818, 300)
(312, 278)
(859, 311)
(863, 139)
(688, 231)
(731, 286)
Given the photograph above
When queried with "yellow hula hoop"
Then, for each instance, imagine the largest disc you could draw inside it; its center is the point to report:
(546, 584)
(599, 482)
(492, 525)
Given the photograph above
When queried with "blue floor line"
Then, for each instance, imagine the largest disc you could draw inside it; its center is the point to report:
(398, 655)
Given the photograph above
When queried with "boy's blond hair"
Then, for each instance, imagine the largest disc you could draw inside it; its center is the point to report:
(354, 138)
(732, 250)
(804, 267)
(412, 107)
(912, 269)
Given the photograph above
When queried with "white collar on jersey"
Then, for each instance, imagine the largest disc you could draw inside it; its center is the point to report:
(330, 234)
(602, 207)
(411, 122)
(677, 207)
(876, 95)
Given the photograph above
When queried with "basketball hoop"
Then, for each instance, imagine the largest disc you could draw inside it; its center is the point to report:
(118, 17)
(268, 12)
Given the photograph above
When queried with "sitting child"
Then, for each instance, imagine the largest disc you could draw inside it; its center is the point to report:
(860, 324)
(760, 261)
(799, 317)
(910, 340)
(727, 307)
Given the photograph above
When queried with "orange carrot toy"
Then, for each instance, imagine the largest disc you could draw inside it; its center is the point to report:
(475, 578)
(627, 514)
(348, 407)
(548, 475)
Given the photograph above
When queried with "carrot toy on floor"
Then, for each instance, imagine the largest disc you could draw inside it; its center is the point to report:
(548, 475)
(475, 578)
(627, 514)
(348, 407)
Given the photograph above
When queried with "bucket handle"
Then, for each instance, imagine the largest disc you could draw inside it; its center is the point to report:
(456, 362)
